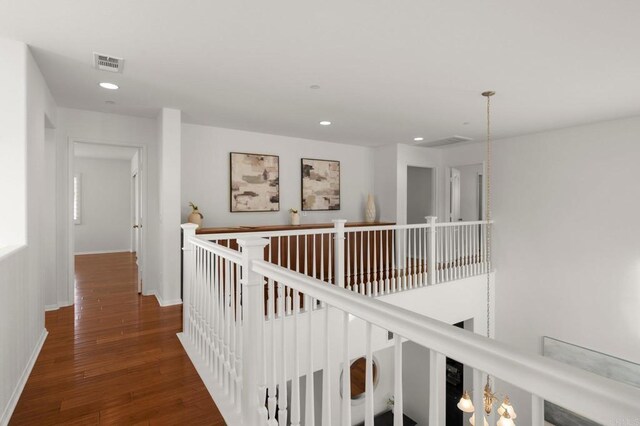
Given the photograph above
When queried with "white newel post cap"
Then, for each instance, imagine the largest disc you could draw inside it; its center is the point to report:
(339, 223)
(253, 242)
(189, 227)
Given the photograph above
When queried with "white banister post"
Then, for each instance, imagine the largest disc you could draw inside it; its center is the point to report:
(339, 252)
(431, 252)
(252, 316)
(478, 395)
(437, 388)
(537, 411)
(188, 231)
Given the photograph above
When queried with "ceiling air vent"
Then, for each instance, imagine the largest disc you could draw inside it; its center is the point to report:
(446, 141)
(107, 63)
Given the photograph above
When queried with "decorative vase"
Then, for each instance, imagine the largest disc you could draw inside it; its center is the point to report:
(195, 217)
(370, 210)
(295, 219)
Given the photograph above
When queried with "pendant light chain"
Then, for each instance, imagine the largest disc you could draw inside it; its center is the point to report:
(488, 95)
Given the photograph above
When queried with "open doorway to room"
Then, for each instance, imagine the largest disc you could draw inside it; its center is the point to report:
(466, 193)
(420, 194)
(107, 195)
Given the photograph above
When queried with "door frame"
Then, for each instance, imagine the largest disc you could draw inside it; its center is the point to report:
(447, 185)
(142, 171)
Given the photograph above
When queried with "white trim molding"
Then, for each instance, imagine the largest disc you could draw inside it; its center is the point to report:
(13, 401)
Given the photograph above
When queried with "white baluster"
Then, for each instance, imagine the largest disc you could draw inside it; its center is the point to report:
(326, 373)
(295, 379)
(282, 367)
(394, 281)
(398, 404)
(437, 388)
(362, 277)
(375, 263)
(368, 263)
(368, 398)
(310, 399)
(346, 372)
(431, 250)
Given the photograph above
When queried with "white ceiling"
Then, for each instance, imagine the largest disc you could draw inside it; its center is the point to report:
(107, 152)
(388, 70)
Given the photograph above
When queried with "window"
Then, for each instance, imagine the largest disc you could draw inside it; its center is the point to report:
(77, 199)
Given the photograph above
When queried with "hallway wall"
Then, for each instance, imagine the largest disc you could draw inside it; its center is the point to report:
(22, 266)
(105, 205)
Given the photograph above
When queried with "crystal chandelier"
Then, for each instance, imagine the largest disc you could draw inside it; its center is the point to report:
(506, 411)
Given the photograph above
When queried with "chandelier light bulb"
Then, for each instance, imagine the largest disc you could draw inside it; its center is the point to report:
(505, 420)
(507, 407)
(472, 420)
(465, 403)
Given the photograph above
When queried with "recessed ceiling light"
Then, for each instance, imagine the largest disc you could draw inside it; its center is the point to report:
(110, 102)
(466, 123)
(314, 86)
(418, 139)
(325, 123)
(109, 86)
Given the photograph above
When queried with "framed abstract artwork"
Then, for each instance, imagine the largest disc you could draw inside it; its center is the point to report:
(255, 182)
(320, 185)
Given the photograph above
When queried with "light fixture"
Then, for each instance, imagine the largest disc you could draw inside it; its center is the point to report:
(109, 86)
(505, 420)
(418, 139)
(508, 408)
(465, 403)
(507, 414)
(472, 420)
(325, 123)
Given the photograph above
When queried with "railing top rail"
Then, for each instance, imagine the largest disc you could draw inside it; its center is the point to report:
(329, 230)
(263, 234)
(224, 252)
(572, 388)
(459, 223)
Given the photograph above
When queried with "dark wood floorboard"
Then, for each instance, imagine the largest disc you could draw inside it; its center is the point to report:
(114, 358)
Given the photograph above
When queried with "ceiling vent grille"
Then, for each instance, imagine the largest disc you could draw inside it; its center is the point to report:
(446, 141)
(107, 63)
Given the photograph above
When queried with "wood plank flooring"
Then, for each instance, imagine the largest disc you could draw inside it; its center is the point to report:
(114, 358)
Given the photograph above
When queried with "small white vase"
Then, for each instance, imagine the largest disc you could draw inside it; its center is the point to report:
(295, 219)
(196, 218)
(370, 211)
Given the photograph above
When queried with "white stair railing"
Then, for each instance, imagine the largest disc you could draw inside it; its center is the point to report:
(247, 345)
(594, 397)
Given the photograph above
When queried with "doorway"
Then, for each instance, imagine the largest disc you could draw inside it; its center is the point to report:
(107, 200)
(466, 193)
(420, 194)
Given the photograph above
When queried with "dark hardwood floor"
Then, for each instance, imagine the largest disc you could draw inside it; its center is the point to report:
(114, 358)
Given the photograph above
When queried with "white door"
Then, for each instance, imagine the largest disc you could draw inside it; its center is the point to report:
(137, 227)
(454, 202)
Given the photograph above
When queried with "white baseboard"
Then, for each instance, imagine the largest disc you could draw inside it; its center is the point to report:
(221, 399)
(126, 250)
(13, 401)
(165, 303)
(53, 307)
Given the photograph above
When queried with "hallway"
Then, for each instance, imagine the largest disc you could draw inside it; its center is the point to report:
(114, 359)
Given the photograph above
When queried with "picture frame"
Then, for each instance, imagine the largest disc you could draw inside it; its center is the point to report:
(320, 184)
(254, 182)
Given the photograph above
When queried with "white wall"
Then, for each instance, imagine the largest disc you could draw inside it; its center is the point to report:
(169, 152)
(105, 205)
(22, 274)
(566, 237)
(111, 129)
(205, 174)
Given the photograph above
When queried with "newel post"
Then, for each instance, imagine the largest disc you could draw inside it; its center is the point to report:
(252, 328)
(339, 251)
(431, 252)
(188, 266)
